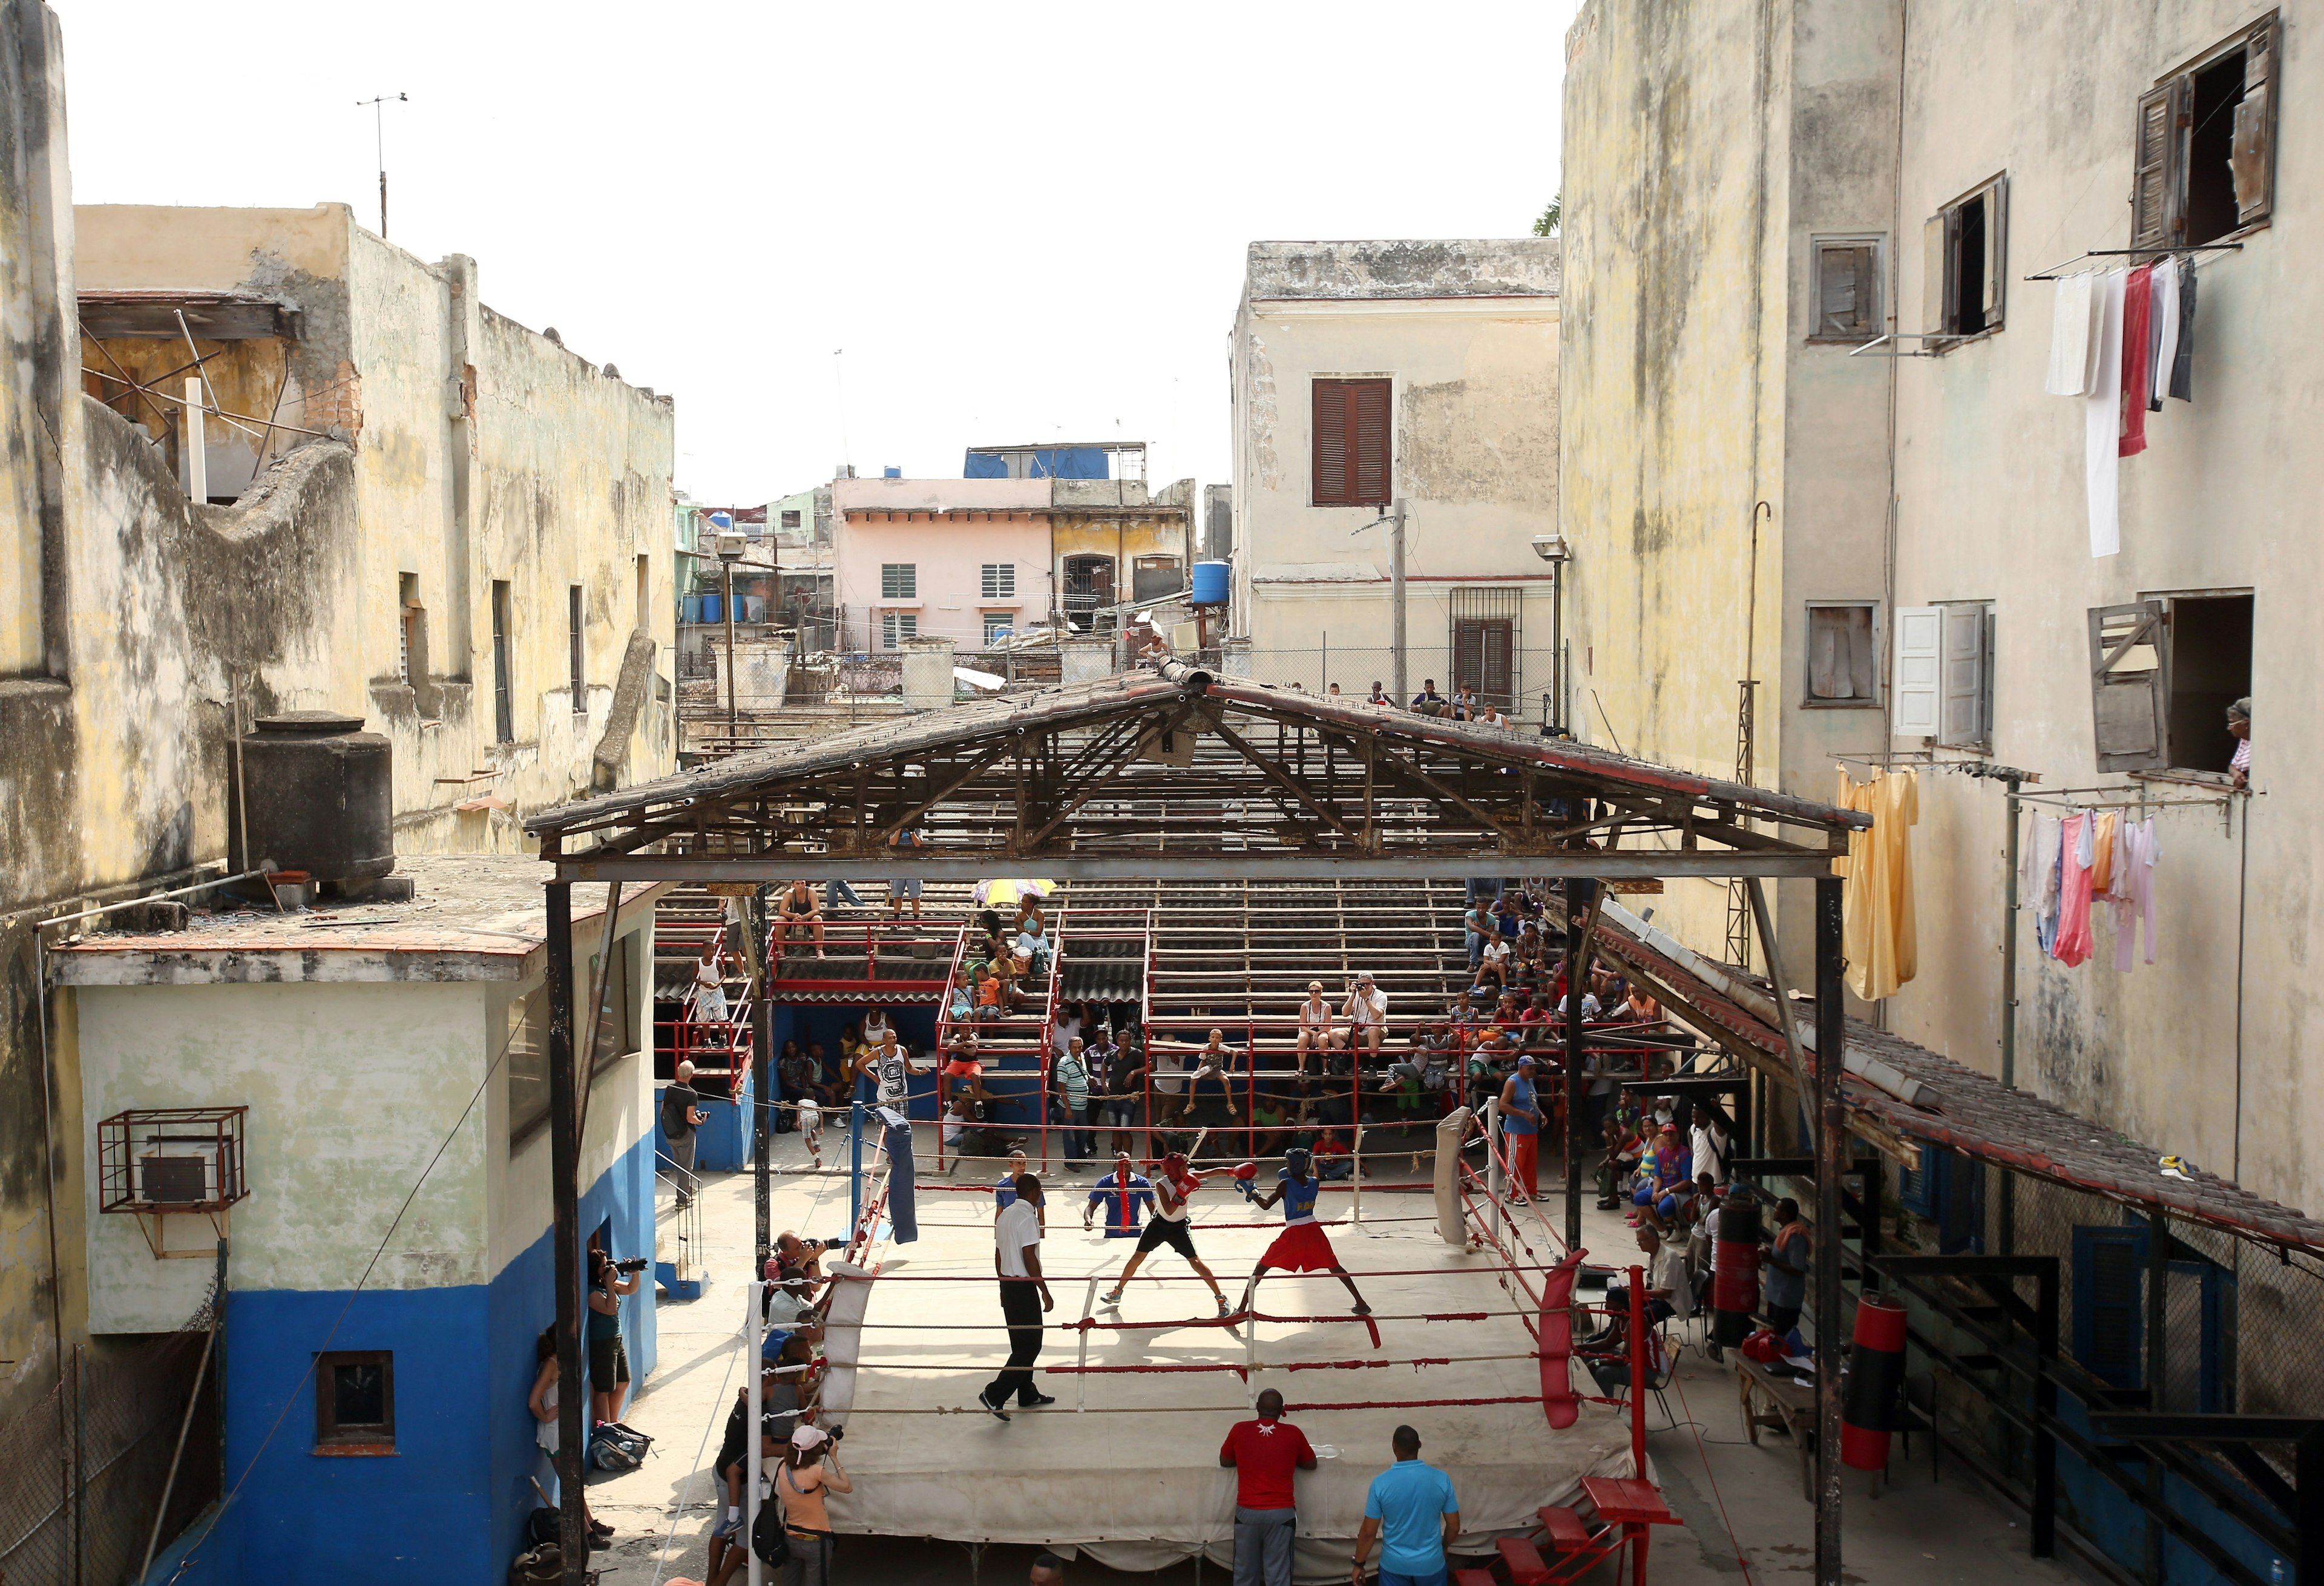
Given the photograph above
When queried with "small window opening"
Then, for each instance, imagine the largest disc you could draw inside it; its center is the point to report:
(1967, 309)
(2210, 670)
(2211, 209)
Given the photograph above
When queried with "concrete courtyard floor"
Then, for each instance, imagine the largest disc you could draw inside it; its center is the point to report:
(1733, 1498)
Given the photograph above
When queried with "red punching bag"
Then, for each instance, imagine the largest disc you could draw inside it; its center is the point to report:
(1735, 1269)
(1876, 1376)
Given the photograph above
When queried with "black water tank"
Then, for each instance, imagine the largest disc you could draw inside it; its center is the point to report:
(321, 797)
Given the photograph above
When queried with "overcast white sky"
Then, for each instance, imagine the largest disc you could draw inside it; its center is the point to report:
(1020, 222)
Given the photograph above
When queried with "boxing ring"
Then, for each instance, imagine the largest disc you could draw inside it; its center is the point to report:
(1124, 1467)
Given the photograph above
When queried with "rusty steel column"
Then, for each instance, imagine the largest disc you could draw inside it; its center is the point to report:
(1831, 1163)
(565, 1235)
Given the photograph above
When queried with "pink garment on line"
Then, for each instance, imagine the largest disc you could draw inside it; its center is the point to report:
(2137, 304)
(2073, 946)
(2136, 853)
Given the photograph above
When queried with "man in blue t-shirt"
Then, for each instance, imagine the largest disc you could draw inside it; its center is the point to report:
(1412, 1510)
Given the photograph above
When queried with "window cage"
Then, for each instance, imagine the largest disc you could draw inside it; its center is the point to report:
(155, 1163)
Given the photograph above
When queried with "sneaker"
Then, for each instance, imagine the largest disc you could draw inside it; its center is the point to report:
(1362, 1308)
(997, 1412)
(1225, 1309)
(1037, 1402)
(1113, 1296)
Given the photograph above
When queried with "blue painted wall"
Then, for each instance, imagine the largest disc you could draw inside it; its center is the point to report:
(1061, 462)
(450, 1505)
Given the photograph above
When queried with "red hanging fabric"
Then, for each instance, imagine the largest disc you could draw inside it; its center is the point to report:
(2137, 377)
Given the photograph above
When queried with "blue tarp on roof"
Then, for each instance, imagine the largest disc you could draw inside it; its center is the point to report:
(1069, 462)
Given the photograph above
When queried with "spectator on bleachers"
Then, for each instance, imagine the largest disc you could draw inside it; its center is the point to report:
(1428, 702)
(1068, 1025)
(876, 1028)
(1268, 1116)
(1463, 707)
(994, 995)
(1331, 1156)
(903, 890)
(1214, 1059)
(799, 914)
(1378, 694)
(1031, 949)
(1316, 1024)
(1071, 1075)
(1120, 1079)
(830, 1090)
(962, 1069)
(1480, 927)
(1366, 1015)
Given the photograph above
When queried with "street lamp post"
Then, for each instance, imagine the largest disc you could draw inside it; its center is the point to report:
(730, 547)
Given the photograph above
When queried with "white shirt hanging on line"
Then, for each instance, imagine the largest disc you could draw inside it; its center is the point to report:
(2102, 419)
(2070, 335)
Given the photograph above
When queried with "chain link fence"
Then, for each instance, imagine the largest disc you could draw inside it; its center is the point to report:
(1521, 684)
(115, 1460)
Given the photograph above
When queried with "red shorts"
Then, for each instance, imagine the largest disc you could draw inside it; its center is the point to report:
(1301, 1247)
(964, 1068)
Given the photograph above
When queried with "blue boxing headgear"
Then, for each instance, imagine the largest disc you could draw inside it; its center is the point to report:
(1295, 1161)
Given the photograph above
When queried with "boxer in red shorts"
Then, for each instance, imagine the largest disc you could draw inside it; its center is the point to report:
(1301, 1246)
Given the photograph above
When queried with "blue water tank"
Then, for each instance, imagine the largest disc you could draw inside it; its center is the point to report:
(1213, 582)
(711, 612)
(689, 608)
(891, 472)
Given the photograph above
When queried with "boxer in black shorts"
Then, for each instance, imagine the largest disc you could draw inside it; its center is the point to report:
(1174, 1186)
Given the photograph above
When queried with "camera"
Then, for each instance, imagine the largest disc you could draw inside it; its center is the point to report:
(634, 1264)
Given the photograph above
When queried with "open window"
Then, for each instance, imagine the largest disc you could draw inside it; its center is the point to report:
(2162, 673)
(1843, 653)
(1965, 254)
(2205, 162)
(1846, 289)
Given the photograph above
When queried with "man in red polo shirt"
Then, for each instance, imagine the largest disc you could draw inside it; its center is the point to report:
(1263, 1453)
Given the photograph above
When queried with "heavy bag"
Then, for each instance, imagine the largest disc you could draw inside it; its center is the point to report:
(1735, 1271)
(1876, 1376)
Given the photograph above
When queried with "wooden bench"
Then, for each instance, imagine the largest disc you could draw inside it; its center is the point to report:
(1790, 1408)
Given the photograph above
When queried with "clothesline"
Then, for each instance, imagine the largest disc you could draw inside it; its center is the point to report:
(2066, 799)
(2051, 273)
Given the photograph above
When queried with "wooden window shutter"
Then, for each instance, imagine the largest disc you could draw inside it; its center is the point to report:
(1368, 442)
(1964, 675)
(2154, 218)
(1332, 483)
(1848, 292)
(1934, 260)
(1916, 672)
(1996, 252)
(2251, 158)
(1352, 459)
(2130, 686)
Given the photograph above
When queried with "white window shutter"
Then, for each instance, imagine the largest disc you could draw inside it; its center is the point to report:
(1964, 675)
(1916, 685)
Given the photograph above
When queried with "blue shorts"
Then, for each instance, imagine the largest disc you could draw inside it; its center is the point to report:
(1398, 1578)
(1644, 1195)
(1668, 1206)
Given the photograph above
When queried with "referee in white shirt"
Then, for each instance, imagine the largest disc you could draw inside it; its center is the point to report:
(1017, 1262)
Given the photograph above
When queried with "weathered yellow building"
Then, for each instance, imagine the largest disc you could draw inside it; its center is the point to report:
(417, 512)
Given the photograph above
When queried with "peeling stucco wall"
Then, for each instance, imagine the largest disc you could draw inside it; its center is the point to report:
(469, 450)
(1704, 146)
(1468, 332)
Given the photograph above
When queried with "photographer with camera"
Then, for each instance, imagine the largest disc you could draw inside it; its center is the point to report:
(609, 1357)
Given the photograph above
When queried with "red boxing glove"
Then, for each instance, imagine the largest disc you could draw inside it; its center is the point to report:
(1184, 1188)
(1246, 1170)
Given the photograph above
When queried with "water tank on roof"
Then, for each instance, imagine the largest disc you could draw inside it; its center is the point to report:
(320, 796)
(1212, 583)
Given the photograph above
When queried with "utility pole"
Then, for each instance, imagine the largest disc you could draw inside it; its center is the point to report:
(379, 137)
(1394, 518)
(1395, 592)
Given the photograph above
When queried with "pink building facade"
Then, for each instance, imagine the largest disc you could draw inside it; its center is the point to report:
(951, 558)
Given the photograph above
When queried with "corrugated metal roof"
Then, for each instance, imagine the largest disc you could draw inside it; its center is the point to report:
(1975, 1114)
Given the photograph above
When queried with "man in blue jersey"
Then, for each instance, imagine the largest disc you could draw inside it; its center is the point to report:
(1301, 1246)
(1125, 1195)
(1004, 1189)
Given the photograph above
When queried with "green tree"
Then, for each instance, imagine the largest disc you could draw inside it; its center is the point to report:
(1552, 217)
